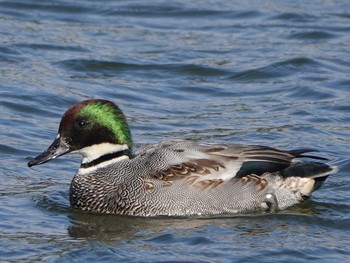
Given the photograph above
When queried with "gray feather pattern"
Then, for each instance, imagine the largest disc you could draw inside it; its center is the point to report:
(186, 178)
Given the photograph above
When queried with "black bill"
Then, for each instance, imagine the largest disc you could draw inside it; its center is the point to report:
(56, 149)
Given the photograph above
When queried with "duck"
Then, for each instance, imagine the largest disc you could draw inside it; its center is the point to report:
(176, 177)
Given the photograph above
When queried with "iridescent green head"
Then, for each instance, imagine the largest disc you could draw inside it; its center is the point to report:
(93, 128)
(95, 121)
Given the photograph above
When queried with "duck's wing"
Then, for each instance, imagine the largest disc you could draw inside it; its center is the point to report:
(214, 164)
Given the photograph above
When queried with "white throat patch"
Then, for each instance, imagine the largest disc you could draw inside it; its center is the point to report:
(95, 151)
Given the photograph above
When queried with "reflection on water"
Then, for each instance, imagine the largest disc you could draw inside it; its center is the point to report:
(111, 227)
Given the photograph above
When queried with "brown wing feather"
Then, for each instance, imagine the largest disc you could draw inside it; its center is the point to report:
(220, 163)
(195, 167)
(260, 182)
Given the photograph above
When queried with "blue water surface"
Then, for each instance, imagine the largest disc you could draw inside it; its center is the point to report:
(255, 72)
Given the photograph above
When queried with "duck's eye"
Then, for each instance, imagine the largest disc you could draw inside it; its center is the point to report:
(81, 124)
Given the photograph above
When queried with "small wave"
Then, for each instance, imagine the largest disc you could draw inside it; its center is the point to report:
(295, 17)
(277, 70)
(113, 67)
(55, 201)
(313, 35)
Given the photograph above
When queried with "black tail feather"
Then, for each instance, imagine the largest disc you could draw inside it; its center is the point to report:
(300, 153)
(319, 182)
(311, 170)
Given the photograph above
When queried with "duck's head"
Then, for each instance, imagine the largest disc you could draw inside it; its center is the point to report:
(94, 128)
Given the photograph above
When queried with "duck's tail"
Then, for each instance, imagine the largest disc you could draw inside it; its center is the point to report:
(305, 178)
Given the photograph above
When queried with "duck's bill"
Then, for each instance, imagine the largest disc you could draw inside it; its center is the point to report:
(56, 149)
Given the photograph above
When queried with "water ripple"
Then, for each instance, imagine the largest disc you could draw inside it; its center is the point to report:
(63, 8)
(295, 17)
(49, 47)
(277, 70)
(313, 35)
(112, 68)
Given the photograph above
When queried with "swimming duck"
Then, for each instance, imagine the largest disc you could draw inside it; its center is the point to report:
(175, 178)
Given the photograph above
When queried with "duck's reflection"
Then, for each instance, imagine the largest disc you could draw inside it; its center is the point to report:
(112, 227)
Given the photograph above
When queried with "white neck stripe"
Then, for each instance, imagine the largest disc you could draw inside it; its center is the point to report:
(95, 151)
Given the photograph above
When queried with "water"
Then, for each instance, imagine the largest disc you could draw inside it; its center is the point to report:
(255, 72)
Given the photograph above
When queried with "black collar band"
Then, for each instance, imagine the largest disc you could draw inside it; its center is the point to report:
(106, 157)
